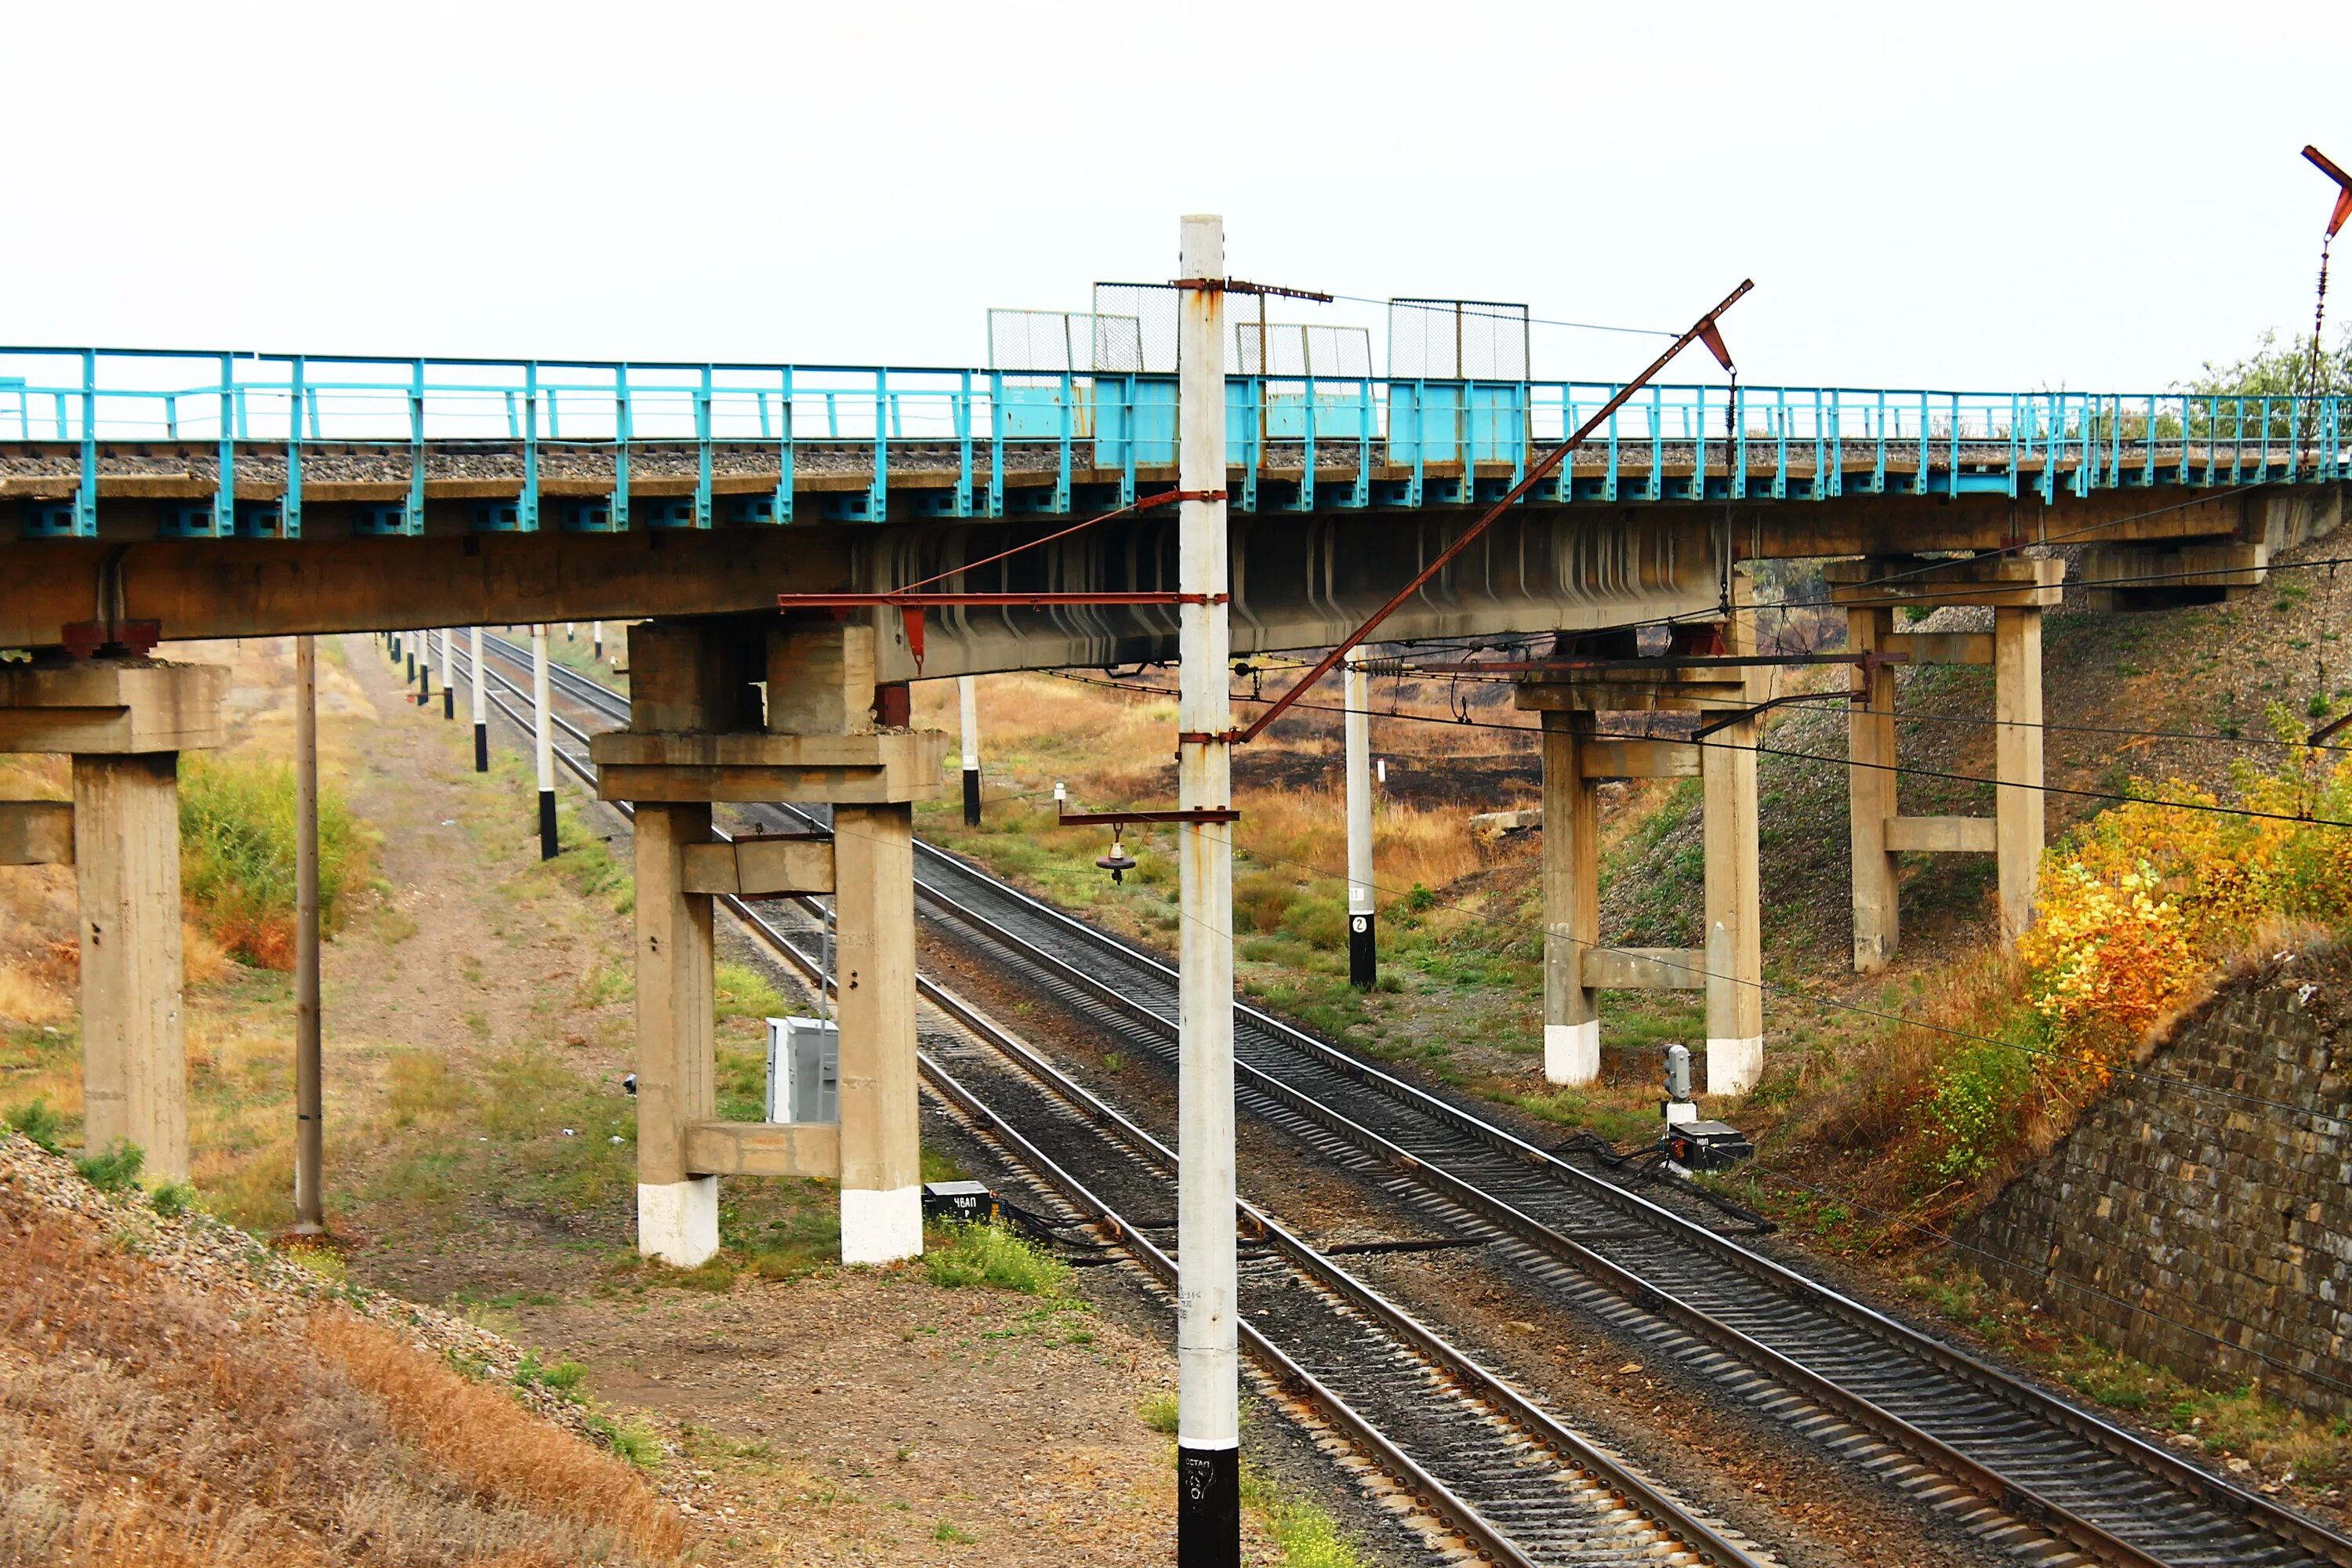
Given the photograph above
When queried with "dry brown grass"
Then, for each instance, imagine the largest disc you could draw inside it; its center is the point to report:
(480, 1437)
(143, 1422)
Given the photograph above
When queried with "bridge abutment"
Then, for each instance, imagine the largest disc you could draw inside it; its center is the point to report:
(700, 734)
(124, 723)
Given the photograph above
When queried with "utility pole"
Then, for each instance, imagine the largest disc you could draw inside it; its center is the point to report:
(1208, 1421)
(1363, 955)
(542, 742)
(968, 698)
(310, 1142)
(596, 639)
(481, 705)
(449, 673)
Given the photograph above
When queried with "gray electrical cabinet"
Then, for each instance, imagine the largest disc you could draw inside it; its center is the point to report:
(804, 1065)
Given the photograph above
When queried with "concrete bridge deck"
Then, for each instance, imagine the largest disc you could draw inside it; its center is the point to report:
(374, 493)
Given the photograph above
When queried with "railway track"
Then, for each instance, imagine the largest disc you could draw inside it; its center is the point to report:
(1484, 1467)
(2012, 1461)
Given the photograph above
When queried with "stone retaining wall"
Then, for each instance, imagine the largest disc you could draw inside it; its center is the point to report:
(2191, 1227)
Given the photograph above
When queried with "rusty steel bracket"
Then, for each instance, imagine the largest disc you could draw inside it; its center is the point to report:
(1107, 818)
(1207, 737)
(1702, 330)
(1664, 661)
(1235, 286)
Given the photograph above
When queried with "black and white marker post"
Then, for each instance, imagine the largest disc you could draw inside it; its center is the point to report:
(1208, 1417)
(481, 704)
(968, 698)
(542, 742)
(1363, 954)
(449, 673)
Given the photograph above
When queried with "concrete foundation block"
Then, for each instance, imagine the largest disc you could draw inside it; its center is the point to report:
(1733, 1067)
(1572, 1052)
(677, 1222)
(881, 1228)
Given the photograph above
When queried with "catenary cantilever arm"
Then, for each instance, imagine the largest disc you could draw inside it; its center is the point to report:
(1704, 328)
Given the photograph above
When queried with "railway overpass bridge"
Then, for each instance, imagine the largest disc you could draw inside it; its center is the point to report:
(149, 497)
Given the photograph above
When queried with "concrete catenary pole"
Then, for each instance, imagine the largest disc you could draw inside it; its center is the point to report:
(482, 703)
(449, 673)
(1363, 955)
(424, 669)
(310, 1132)
(542, 742)
(1207, 1422)
(968, 698)
(596, 639)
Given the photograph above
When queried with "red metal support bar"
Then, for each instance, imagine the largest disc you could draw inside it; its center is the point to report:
(1704, 328)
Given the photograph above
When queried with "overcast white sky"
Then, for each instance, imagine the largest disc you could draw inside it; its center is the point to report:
(1970, 196)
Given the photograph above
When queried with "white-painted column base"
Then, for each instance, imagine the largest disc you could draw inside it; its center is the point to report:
(1572, 1052)
(677, 1222)
(1734, 1065)
(881, 1228)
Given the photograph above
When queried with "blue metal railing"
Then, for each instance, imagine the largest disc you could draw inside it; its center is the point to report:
(1022, 443)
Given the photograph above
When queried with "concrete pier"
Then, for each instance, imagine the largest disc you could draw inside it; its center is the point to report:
(699, 735)
(2018, 590)
(124, 722)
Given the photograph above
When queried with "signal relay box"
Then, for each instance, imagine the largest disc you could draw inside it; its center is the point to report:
(969, 1202)
(1706, 1145)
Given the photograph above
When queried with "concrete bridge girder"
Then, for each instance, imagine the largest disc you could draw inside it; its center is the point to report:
(1297, 578)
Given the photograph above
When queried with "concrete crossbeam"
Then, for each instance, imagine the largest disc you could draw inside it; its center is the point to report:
(760, 867)
(1939, 647)
(1645, 969)
(1940, 836)
(810, 1149)
(1902, 583)
(1627, 758)
(110, 707)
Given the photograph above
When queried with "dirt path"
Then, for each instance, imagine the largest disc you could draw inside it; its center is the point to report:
(848, 1416)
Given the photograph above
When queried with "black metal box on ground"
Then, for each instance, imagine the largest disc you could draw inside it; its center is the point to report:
(970, 1203)
(1706, 1145)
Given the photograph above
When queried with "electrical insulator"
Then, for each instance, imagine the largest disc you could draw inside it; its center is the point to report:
(1118, 862)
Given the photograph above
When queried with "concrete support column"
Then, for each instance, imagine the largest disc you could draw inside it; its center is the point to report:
(1870, 782)
(134, 1045)
(881, 1154)
(678, 1214)
(1363, 943)
(968, 705)
(481, 703)
(2019, 801)
(542, 743)
(1735, 960)
(1572, 901)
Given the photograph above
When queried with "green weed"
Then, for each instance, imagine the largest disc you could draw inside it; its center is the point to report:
(36, 1120)
(114, 1168)
(990, 1254)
